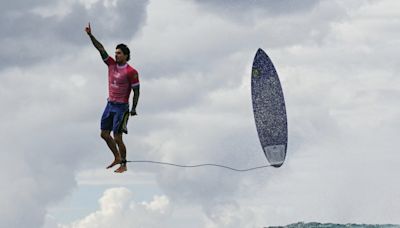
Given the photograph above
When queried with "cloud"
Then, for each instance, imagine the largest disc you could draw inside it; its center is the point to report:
(338, 77)
(41, 144)
(47, 30)
(46, 86)
(117, 208)
(336, 80)
(241, 9)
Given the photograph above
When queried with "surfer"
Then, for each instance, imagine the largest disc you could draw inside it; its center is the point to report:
(122, 78)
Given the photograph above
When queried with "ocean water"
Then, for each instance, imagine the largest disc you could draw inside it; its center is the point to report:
(332, 225)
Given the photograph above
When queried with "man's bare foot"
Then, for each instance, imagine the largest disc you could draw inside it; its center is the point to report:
(121, 169)
(115, 162)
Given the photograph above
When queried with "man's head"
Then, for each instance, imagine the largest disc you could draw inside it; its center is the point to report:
(122, 54)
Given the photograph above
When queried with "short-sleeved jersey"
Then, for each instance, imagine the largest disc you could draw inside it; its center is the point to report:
(121, 80)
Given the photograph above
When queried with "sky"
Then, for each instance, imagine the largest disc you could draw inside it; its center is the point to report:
(338, 65)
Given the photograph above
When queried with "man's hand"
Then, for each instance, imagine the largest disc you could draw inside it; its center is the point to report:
(88, 30)
(95, 42)
(133, 112)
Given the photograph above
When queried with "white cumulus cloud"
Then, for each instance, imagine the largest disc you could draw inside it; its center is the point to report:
(118, 209)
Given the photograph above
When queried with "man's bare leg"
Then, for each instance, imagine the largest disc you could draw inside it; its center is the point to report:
(113, 147)
(122, 152)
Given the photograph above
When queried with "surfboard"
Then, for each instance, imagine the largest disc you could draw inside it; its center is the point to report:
(269, 109)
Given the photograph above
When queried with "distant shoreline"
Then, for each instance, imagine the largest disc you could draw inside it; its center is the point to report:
(333, 225)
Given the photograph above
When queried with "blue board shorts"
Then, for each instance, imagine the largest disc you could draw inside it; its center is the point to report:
(115, 117)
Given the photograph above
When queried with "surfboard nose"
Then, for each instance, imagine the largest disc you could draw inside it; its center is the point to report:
(260, 52)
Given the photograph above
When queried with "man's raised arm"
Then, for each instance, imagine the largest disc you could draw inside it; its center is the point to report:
(96, 43)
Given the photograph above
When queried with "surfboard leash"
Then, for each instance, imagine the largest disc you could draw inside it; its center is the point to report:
(199, 165)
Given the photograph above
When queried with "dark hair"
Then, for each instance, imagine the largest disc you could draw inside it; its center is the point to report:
(124, 50)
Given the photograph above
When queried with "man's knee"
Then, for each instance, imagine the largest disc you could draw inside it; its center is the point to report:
(118, 139)
(105, 135)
